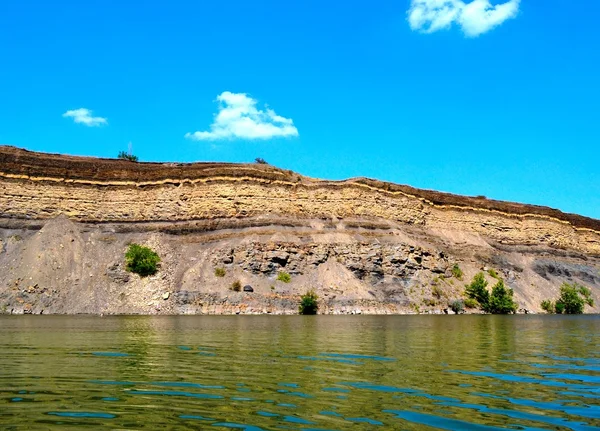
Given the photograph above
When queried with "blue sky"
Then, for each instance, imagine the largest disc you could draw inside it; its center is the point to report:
(474, 100)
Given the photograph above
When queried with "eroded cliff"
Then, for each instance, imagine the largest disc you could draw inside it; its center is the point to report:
(363, 245)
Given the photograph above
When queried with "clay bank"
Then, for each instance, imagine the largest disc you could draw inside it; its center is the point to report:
(252, 238)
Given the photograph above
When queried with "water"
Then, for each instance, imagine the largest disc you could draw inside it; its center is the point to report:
(293, 372)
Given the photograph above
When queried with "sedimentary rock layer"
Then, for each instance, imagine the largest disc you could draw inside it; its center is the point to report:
(36, 186)
(364, 246)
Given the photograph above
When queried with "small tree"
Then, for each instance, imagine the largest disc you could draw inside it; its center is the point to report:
(572, 299)
(308, 303)
(141, 260)
(501, 300)
(127, 156)
(478, 290)
(260, 161)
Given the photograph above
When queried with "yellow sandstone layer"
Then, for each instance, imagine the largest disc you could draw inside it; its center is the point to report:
(43, 186)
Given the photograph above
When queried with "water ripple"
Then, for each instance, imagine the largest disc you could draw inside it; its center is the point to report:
(324, 373)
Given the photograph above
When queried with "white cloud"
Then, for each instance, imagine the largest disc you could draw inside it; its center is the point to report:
(238, 117)
(475, 18)
(84, 116)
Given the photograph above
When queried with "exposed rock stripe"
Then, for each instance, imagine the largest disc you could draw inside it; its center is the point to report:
(41, 186)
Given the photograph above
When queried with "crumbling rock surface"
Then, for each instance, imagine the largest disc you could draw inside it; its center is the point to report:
(367, 261)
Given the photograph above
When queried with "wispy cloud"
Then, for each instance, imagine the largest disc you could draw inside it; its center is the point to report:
(238, 117)
(474, 18)
(84, 116)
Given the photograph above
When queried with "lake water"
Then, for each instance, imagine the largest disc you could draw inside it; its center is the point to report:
(300, 372)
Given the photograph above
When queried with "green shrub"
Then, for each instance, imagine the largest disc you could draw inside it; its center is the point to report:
(477, 290)
(284, 276)
(457, 306)
(220, 272)
(457, 272)
(236, 286)
(126, 156)
(308, 303)
(492, 272)
(547, 306)
(571, 299)
(260, 161)
(501, 300)
(471, 303)
(141, 260)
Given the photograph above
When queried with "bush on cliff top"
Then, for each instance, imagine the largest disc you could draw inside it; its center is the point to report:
(141, 260)
(127, 156)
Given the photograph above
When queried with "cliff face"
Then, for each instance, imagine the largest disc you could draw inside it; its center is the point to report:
(362, 244)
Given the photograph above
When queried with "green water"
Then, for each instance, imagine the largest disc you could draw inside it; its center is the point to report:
(294, 372)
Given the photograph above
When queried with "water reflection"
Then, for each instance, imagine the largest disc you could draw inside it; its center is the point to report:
(324, 372)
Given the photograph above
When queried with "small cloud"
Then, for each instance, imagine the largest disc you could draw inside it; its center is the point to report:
(84, 116)
(474, 18)
(238, 117)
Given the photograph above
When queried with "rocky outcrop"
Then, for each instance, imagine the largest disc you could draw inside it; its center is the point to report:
(367, 261)
(364, 246)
